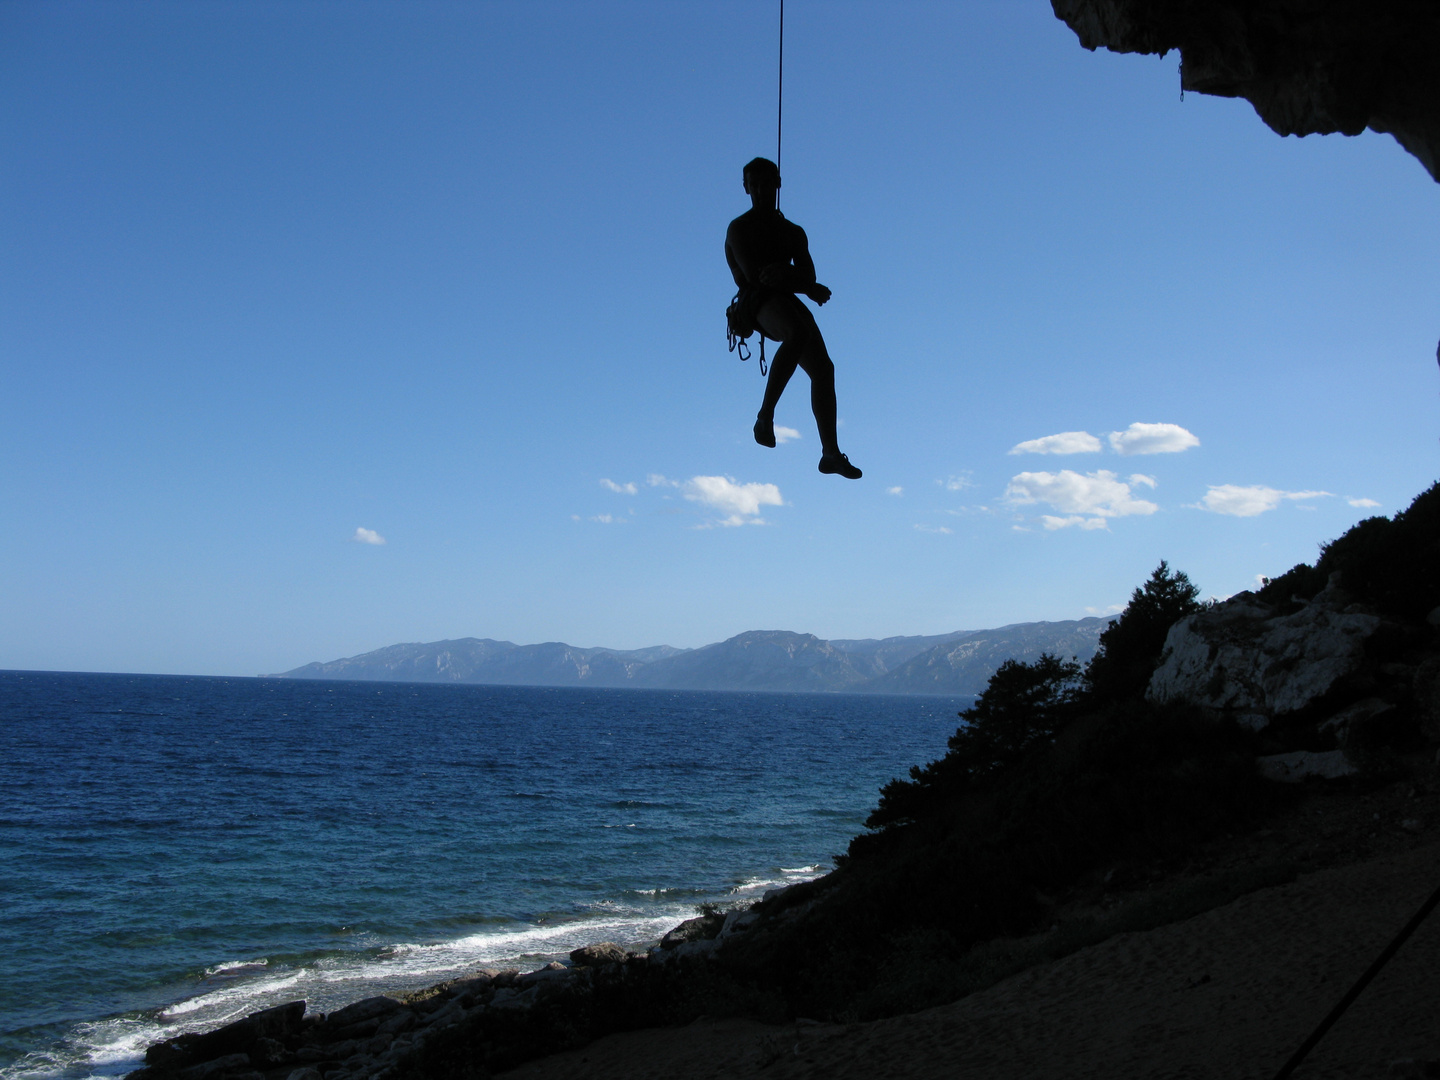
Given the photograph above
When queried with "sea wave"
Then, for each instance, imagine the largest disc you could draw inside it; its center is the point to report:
(230, 967)
(100, 1049)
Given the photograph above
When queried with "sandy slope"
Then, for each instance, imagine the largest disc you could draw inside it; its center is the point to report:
(1227, 994)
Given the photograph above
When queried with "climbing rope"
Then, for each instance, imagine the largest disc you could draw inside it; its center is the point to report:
(780, 97)
(1360, 984)
(779, 131)
(739, 327)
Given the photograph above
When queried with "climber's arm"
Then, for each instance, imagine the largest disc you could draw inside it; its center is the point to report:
(737, 269)
(799, 277)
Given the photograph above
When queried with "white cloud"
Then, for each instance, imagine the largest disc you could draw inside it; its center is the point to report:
(1236, 501)
(607, 519)
(656, 480)
(1094, 495)
(1363, 504)
(740, 503)
(1152, 439)
(1141, 478)
(619, 489)
(958, 483)
(1053, 523)
(1067, 442)
(1113, 609)
(785, 434)
(934, 529)
(896, 490)
(368, 536)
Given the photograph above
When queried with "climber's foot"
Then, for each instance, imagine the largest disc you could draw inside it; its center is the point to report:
(839, 463)
(765, 430)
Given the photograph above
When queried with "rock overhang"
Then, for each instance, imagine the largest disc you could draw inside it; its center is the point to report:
(1309, 67)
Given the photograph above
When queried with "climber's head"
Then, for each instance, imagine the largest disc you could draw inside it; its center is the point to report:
(760, 174)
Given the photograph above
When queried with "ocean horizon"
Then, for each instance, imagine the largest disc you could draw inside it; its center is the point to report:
(178, 851)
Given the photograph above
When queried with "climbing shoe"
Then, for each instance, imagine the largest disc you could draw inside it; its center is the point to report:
(765, 430)
(839, 463)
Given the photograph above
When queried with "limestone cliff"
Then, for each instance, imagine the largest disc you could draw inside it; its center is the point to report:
(1308, 66)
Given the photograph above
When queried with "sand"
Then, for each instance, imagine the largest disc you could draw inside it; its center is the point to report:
(1227, 994)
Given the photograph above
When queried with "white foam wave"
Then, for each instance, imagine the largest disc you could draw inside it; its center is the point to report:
(227, 995)
(236, 965)
(534, 941)
(794, 875)
(757, 884)
(101, 1049)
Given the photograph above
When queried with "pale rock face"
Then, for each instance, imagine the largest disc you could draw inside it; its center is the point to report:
(1242, 659)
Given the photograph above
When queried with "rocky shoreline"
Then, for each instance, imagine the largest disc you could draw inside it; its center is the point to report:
(487, 1020)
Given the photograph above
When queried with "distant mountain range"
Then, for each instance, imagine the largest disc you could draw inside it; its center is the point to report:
(958, 663)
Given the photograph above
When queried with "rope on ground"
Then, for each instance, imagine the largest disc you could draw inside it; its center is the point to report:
(1364, 981)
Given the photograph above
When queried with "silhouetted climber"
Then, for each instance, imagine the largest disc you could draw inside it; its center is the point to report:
(770, 259)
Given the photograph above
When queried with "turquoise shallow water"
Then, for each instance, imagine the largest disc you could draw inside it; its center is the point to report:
(175, 852)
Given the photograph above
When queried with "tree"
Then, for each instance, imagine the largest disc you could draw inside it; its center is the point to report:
(1130, 647)
(1023, 706)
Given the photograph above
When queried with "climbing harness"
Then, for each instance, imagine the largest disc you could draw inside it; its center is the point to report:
(739, 319)
(739, 325)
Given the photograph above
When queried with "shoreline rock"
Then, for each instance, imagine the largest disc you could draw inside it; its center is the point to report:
(386, 1038)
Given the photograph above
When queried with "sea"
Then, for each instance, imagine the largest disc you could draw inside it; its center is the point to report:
(177, 852)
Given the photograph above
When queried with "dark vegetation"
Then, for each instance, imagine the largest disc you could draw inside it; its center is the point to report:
(1027, 705)
(1389, 564)
(1058, 775)
(1057, 778)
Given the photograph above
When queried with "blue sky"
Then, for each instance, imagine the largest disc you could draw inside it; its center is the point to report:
(280, 278)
